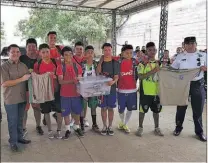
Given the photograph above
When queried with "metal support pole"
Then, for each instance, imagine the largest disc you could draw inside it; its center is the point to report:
(163, 27)
(113, 34)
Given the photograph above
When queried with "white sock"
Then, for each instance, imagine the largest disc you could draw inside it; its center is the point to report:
(128, 116)
(67, 127)
(121, 117)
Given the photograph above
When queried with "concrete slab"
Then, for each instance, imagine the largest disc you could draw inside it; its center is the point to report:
(118, 148)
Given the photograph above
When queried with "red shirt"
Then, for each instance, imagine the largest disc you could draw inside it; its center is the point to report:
(126, 77)
(45, 67)
(54, 53)
(69, 90)
(116, 57)
(78, 60)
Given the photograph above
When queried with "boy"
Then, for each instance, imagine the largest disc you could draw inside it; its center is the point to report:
(79, 58)
(46, 64)
(89, 69)
(149, 89)
(68, 74)
(29, 60)
(127, 91)
(110, 68)
(55, 53)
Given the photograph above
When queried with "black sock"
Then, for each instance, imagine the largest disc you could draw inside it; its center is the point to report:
(82, 121)
(94, 120)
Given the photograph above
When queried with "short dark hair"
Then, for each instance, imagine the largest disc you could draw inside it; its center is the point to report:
(65, 49)
(44, 46)
(31, 41)
(127, 47)
(106, 45)
(52, 33)
(150, 44)
(89, 47)
(122, 49)
(12, 46)
(79, 43)
(143, 51)
(166, 50)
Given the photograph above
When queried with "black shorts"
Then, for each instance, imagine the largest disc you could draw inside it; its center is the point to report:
(152, 102)
(50, 106)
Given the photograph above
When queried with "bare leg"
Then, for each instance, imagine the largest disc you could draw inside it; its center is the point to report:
(110, 116)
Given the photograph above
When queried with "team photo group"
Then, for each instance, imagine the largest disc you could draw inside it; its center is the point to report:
(52, 78)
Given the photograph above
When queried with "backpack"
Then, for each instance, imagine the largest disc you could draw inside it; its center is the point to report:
(40, 61)
(59, 49)
(134, 66)
(74, 66)
(83, 65)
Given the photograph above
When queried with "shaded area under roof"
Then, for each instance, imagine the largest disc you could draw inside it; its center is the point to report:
(122, 7)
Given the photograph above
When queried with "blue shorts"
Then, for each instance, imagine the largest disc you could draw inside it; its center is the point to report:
(71, 105)
(127, 100)
(107, 101)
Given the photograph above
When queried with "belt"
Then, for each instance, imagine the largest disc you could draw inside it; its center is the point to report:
(200, 81)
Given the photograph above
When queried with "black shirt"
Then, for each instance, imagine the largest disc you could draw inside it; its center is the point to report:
(110, 69)
(29, 63)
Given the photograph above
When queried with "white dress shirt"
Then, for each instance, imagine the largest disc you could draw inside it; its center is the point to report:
(190, 61)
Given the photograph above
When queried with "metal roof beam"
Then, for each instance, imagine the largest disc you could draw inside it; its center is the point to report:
(141, 7)
(104, 3)
(54, 6)
(125, 4)
(81, 3)
(59, 2)
(145, 6)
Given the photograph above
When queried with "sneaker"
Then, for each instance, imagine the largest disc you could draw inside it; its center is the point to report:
(139, 131)
(58, 135)
(120, 126)
(44, 121)
(202, 137)
(15, 148)
(24, 141)
(82, 128)
(126, 129)
(86, 123)
(55, 116)
(39, 130)
(67, 134)
(50, 135)
(110, 131)
(79, 132)
(95, 128)
(158, 132)
(104, 131)
(177, 131)
(24, 133)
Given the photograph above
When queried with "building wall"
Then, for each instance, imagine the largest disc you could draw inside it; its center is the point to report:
(186, 18)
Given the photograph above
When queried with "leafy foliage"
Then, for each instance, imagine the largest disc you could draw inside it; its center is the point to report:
(70, 26)
(2, 31)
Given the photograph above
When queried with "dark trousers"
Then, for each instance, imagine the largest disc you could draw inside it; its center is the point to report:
(197, 93)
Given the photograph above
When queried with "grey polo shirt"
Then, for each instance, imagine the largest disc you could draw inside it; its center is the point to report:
(11, 71)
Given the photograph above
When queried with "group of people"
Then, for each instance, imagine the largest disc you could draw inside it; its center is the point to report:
(67, 65)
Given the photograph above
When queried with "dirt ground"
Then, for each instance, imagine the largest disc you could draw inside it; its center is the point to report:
(118, 148)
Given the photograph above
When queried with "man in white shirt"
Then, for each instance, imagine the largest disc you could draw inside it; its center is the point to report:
(191, 59)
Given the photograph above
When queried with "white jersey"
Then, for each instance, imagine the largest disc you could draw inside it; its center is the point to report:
(89, 71)
(191, 61)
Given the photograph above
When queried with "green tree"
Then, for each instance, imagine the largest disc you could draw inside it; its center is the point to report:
(70, 26)
(2, 31)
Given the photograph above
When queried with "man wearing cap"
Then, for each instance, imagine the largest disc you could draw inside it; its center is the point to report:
(190, 59)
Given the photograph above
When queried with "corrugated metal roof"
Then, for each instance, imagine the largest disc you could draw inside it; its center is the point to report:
(105, 6)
